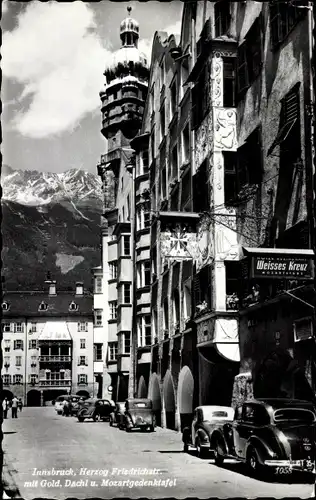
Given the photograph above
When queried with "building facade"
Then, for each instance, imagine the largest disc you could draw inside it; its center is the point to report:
(123, 100)
(229, 121)
(48, 350)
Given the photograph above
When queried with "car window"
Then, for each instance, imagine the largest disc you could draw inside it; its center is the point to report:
(294, 415)
(249, 414)
(238, 413)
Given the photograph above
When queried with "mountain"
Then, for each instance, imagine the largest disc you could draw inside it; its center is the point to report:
(50, 222)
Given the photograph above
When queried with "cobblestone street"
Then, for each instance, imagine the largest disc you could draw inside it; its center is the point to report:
(40, 441)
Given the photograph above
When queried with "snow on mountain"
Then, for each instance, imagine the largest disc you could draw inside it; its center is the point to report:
(33, 188)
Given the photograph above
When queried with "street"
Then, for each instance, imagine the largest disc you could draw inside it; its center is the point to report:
(104, 462)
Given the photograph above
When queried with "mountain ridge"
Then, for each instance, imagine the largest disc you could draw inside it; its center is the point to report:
(50, 223)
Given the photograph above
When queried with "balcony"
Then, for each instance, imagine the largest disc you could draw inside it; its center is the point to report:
(54, 359)
(55, 383)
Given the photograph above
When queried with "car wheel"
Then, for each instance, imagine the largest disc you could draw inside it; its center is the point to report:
(252, 461)
(218, 454)
(152, 428)
(128, 429)
(185, 448)
(111, 422)
(81, 419)
(200, 451)
(97, 417)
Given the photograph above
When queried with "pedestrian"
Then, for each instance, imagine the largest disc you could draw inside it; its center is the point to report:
(14, 406)
(20, 404)
(66, 408)
(5, 407)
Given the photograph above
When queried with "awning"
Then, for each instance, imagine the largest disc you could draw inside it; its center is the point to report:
(278, 251)
(55, 330)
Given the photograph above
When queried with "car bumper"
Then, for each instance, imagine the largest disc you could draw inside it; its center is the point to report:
(303, 465)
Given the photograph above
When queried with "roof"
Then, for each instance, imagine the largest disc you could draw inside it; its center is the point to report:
(27, 304)
(55, 330)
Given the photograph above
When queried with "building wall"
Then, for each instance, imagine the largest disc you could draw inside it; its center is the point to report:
(31, 356)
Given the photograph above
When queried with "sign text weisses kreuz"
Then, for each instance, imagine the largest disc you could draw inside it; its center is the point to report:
(282, 267)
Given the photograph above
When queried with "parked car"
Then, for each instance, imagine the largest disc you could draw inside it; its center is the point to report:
(270, 433)
(206, 420)
(97, 409)
(76, 405)
(117, 416)
(138, 414)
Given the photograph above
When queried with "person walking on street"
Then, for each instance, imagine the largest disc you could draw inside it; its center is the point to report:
(14, 406)
(20, 404)
(5, 407)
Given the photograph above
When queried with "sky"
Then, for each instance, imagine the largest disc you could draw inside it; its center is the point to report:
(53, 58)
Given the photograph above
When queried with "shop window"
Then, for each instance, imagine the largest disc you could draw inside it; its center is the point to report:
(200, 180)
(283, 17)
(249, 161)
(250, 56)
(230, 180)
(229, 82)
(222, 17)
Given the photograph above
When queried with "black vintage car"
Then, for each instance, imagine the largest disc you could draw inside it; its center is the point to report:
(97, 409)
(270, 433)
(117, 416)
(139, 414)
(206, 421)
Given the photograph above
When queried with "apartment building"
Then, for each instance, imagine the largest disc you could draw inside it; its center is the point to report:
(229, 121)
(48, 344)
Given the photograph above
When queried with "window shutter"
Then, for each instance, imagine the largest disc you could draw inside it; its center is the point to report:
(291, 105)
(242, 68)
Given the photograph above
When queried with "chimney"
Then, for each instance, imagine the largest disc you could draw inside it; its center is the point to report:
(79, 288)
(51, 287)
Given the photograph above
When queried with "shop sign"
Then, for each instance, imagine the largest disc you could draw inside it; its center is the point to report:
(285, 267)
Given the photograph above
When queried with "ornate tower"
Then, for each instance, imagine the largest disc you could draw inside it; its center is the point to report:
(126, 87)
(123, 102)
